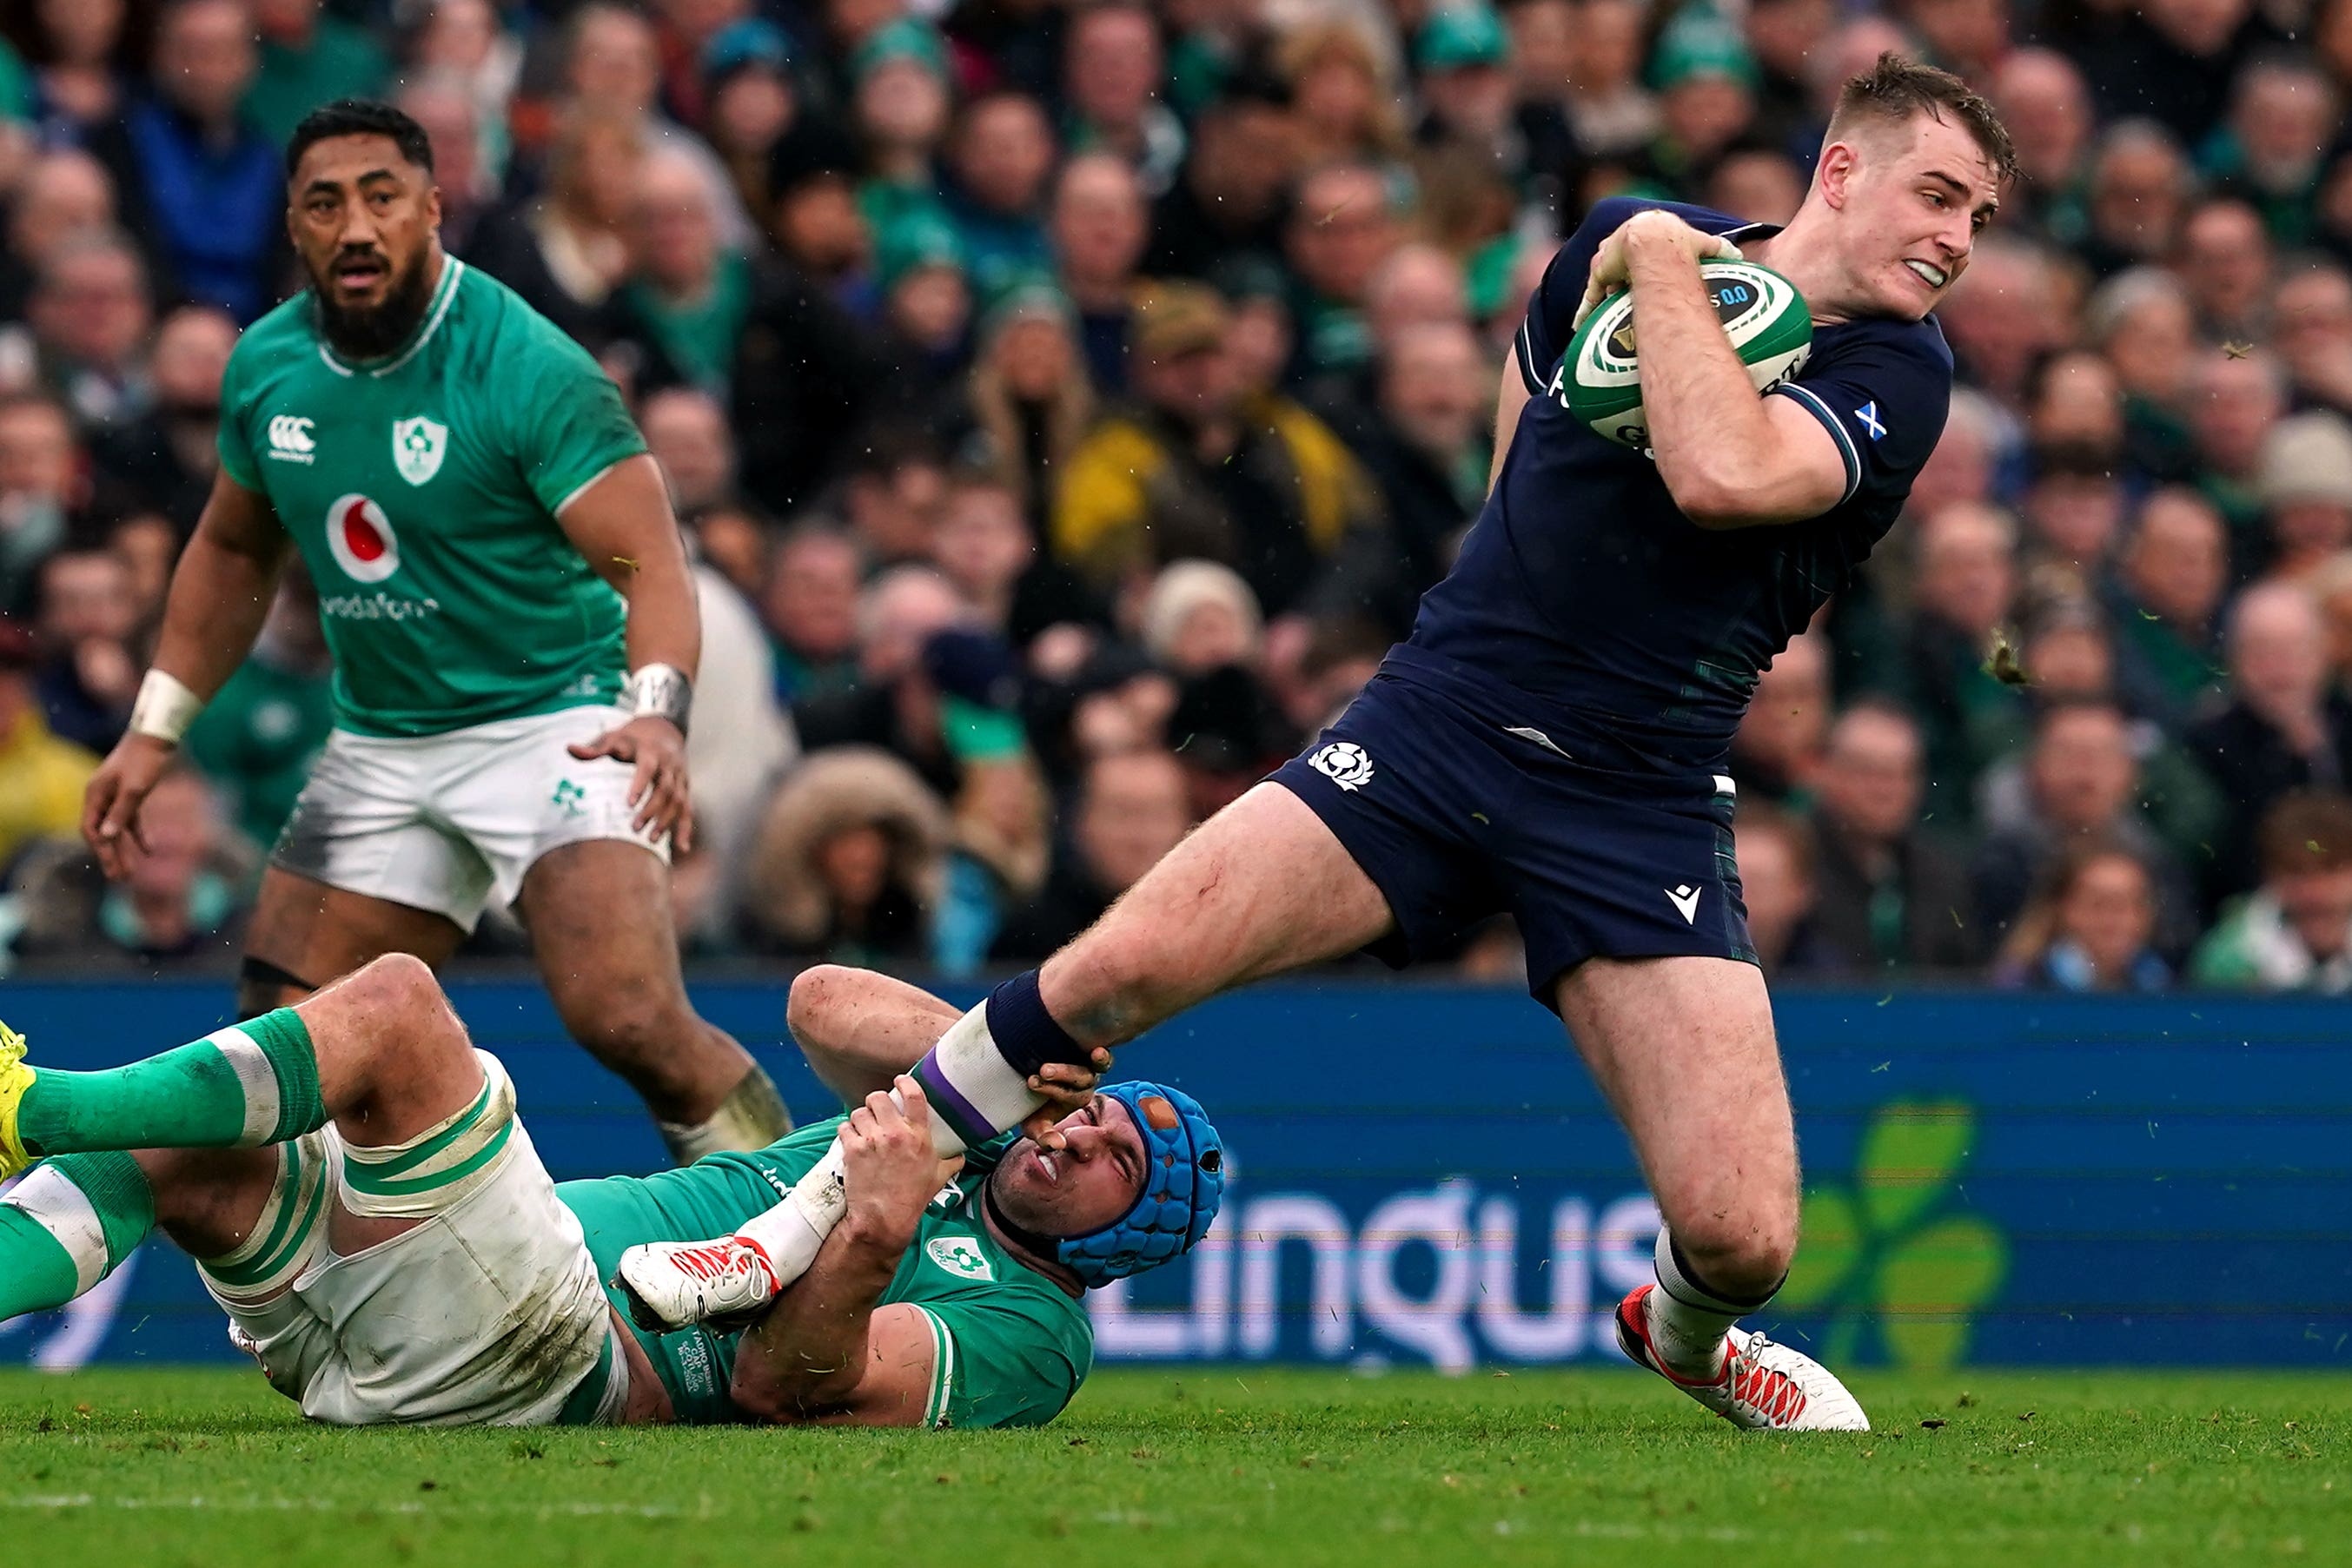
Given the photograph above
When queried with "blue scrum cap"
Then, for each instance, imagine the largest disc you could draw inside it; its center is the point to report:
(1184, 1181)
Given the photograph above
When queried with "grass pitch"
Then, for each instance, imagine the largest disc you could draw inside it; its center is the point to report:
(1229, 1468)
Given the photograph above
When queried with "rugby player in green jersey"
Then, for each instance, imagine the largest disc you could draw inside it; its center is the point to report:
(514, 631)
(352, 1177)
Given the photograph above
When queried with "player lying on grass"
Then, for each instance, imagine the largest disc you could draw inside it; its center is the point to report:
(1554, 738)
(351, 1178)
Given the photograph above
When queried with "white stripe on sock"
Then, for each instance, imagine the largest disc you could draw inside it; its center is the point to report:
(65, 1211)
(257, 1078)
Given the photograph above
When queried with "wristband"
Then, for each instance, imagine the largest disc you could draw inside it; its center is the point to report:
(661, 690)
(164, 708)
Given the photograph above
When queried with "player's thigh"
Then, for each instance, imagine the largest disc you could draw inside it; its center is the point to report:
(1260, 888)
(1683, 1047)
(308, 933)
(599, 916)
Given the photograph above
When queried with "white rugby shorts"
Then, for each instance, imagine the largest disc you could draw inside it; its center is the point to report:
(451, 822)
(486, 1312)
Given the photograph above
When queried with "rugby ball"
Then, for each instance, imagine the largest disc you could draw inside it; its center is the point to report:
(1600, 378)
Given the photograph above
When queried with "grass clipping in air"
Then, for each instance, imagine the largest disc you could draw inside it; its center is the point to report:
(1228, 1466)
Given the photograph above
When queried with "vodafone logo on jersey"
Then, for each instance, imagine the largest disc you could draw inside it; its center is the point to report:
(360, 538)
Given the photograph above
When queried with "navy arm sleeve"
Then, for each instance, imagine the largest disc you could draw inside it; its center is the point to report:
(1882, 393)
(1551, 309)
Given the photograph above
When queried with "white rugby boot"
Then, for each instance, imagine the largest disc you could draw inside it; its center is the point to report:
(1763, 1387)
(674, 1284)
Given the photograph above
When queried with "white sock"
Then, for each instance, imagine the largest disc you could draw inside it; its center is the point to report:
(965, 1064)
(1688, 1323)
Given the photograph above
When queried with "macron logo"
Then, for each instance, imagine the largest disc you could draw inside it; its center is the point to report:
(1685, 899)
(290, 440)
(1868, 414)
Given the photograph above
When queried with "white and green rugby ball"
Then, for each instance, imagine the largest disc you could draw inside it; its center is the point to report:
(1600, 378)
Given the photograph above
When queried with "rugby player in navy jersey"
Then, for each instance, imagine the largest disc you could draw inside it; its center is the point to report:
(1552, 740)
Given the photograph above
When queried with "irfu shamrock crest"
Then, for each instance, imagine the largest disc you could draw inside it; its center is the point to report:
(1882, 1250)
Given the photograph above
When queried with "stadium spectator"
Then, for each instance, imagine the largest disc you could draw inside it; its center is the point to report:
(1002, 159)
(2089, 927)
(849, 865)
(1192, 471)
(2311, 333)
(1341, 228)
(1427, 446)
(686, 298)
(2174, 567)
(256, 738)
(166, 458)
(2225, 259)
(2294, 932)
(989, 551)
(2141, 321)
(60, 196)
(1232, 197)
(2237, 399)
(1099, 228)
(1028, 402)
(90, 672)
(90, 321)
(686, 430)
(1776, 885)
(41, 777)
(742, 745)
(201, 180)
(566, 250)
(1891, 895)
(1345, 105)
(182, 907)
(2003, 316)
(809, 606)
(42, 489)
(734, 539)
(2305, 486)
(1776, 753)
(309, 55)
(1112, 76)
(2083, 783)
(1966, 582)
(2046, 105)
(751, 103)
(1613, 113)
(891, 494)
(2284, 728)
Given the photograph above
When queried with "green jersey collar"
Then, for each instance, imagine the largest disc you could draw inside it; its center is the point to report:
(443, 293)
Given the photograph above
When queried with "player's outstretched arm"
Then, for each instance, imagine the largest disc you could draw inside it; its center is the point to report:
(622, 524)
(1730, 458)
(219, 597)
(859, 1031)
(829, 1350)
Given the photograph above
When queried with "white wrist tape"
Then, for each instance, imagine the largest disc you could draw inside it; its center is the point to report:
(164, 708)
(661, 690)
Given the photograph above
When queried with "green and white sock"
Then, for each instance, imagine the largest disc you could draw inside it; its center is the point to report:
(68, 1226)
(252, 1083)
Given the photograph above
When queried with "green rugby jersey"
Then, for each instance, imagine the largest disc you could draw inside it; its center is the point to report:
(1011, 1346)
(421, 490)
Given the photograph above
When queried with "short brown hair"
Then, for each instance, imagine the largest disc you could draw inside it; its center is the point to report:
(2306, 830)
(1894, 90)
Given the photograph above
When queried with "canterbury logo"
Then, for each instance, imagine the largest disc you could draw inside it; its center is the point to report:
(290, 440)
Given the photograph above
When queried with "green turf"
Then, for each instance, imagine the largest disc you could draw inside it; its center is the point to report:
(1226, 1467)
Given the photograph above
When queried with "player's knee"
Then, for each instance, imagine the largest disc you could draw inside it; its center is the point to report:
(626, 1020)
(400, 981)
(814, 997)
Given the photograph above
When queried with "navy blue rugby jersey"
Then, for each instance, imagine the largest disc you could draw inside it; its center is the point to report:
(1586, 605)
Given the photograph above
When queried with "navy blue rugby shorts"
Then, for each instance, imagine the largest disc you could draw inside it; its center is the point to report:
(1457, 818)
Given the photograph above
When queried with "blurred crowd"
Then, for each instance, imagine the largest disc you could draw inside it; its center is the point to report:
(1067, 400)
